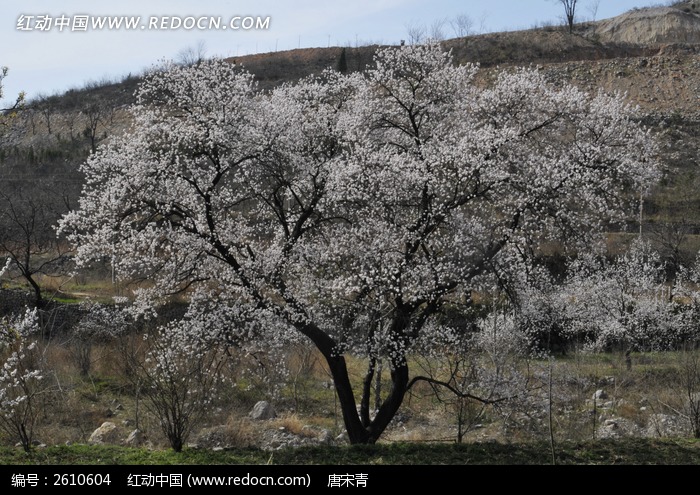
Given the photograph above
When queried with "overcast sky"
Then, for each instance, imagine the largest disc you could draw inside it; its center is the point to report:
(47, 62)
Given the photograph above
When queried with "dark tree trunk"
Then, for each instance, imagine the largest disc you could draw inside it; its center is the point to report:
(389, 408)
(28, 276)
(339, 371)
(358, 433)
(38, 299)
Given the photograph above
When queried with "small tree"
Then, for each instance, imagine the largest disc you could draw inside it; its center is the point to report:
(6, 113)
(687, 385)
(95, 115)
(20, 378)
(437, 30)
(479, 370)
(569, 12)
(417, 33)
(20, 98)
(343, 62)
(192, 55)
(622, 303)
(98, 324)
(46, 106)
(179, 377)
(593, 9)
(28, 217)
(462, 25)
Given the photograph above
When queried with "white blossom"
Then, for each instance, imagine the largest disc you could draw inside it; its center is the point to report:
(20, 376)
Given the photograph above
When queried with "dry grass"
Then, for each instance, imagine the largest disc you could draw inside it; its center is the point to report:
(236, 432)
(294, 424)
(635, 398)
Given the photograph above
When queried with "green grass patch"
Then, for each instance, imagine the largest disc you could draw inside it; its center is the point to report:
(604, 452)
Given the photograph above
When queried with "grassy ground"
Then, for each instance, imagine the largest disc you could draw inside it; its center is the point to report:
(603, 452)
(618, 429)
(614, 430)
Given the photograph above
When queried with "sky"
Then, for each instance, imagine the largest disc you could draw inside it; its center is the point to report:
(51, 46)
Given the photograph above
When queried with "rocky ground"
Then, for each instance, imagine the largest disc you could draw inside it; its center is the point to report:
(263, 428)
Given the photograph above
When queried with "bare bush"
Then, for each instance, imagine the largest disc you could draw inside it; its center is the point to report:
(178, 378)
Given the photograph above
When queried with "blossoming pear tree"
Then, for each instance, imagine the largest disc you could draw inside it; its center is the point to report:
(624, 303)
(349, 210)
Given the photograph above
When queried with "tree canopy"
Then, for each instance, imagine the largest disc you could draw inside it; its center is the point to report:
(352, 209)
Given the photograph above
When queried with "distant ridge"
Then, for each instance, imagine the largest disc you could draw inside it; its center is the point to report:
(651, 26)
(637, 33)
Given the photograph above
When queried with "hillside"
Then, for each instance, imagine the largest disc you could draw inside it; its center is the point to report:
(643, 47)
(652, 55)
(680, 24)
(639, 53)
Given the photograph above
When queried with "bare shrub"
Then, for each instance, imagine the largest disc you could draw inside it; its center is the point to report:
(177, 374)
(685, 401)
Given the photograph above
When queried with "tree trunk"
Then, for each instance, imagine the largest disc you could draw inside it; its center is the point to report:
(389, 408)
(357, 432)
(339, 371)
(38, 299)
